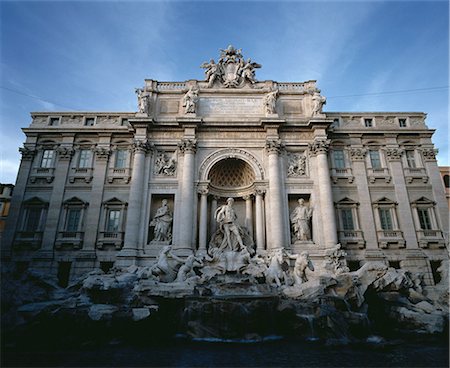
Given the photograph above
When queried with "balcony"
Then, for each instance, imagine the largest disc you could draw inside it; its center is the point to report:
(28, 239)
(387, 237)
(114, 238)
(73, 239)
(123, 174)
(381, 173)
(415, 173)
(428, 237)
(352, 239)
(81, 173)
(342, 173)
(42, 173)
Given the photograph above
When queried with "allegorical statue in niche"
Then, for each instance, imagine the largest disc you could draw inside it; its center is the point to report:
(297, 165)
(226, 217)
(162, 223)
(270, 101)
(143, 100)
(300, 221)
(190, 100)
(318, 102)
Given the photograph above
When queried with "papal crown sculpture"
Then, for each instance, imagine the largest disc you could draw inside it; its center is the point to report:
(228, 174)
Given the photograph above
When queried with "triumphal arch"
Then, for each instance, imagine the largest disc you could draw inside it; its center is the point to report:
(225, 160)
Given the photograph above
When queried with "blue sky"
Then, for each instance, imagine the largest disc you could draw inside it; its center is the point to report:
(90, 55)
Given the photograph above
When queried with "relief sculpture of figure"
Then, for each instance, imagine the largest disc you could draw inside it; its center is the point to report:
(162, 223)
(318, 102)
(270, 101)
(190, 100)
(226, 217)
(300, 221)
(297, 165)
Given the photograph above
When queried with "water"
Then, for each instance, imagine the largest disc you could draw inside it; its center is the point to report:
(273, 352)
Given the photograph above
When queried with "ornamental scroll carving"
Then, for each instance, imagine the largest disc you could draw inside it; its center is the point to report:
(358, 154)
(65, 153)
(27, 153)
(319, 146)
(274, 145)
(296, 164)
(394, 154)
(166, 163)
(188, 145)
(429, 154)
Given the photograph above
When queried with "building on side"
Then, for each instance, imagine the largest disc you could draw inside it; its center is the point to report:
(6, 191)
(97, 189)
(445, 174)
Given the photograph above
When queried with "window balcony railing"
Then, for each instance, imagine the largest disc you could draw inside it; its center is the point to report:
(81, 173)
(350, 237)
(114, 238)
(122, 173)
(412, 173)
(342, 173)
(386, 237)
(378, 173)
(45, 173)
(31, 239)
(70, 238)
(425, 237)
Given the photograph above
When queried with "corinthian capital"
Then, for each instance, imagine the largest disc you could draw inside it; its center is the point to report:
(141, 145)
(27, 153)
(65, 153)
(274, 145)
(102, 153)
(187, 145)
(429, 154)
(319, 146)
(394, 154)
(358, 154)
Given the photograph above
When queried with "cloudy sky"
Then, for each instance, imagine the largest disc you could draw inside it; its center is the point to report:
(90, 55)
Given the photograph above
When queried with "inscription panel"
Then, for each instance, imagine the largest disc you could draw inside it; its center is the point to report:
(230, 106)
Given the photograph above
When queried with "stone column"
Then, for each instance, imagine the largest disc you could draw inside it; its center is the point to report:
(405, 218)
(203, 228)
(213, 224)
(102, 153)
(186, 218)
(320, 148)
(249, 214)
(28, 152)
(277, 222)
(358, 157)
(65, 152)
(130, 248)
(259, 220)
(429, 157)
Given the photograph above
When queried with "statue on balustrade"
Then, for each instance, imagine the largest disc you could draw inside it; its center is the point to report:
(300, 219)
(162, 223)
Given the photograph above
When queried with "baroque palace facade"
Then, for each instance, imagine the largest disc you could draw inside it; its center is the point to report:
(97, 189)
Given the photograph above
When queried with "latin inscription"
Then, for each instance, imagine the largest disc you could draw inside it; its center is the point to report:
(230, 106)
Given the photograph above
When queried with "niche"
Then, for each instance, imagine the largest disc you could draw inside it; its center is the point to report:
(161, 219)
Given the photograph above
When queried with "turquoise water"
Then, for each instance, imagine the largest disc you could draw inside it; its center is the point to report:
(274, 352)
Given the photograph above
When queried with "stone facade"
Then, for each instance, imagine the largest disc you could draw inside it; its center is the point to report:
(90, 185)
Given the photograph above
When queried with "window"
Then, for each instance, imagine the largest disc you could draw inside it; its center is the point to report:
(336, 122)
(64, 273)
(424, 219)
(84, 160)
(33, 218)
(47, 158)
(73, 219)
(385, 218)
(375, 160)
(368, 123)
(395, 264)
(89, 122)
(347, 219)
(54, 121)
(106, 266)
(402, 122)
(339, 160)
(121, 159)
(447, 181)
(411, 159)
(113, 221)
